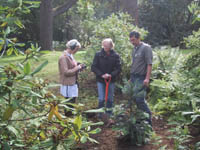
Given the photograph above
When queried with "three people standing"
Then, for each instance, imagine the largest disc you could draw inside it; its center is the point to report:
(107, 66)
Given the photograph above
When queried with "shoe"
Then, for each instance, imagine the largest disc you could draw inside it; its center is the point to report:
(110, 123)
(68, 113)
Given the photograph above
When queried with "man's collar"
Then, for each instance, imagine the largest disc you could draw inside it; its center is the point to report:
(136, 47)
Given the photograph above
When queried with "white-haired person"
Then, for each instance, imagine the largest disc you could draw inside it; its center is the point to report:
(68, 70)
(106, 65)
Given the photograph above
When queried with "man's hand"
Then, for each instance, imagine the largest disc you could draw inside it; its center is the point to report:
(147, 78)
(146, 82)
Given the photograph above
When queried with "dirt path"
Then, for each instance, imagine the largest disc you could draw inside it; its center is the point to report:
(107, 137)
(108, 141)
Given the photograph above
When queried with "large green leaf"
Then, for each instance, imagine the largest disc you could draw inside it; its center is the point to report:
(20, 44)
(20, 3)
(40, 67)
(95, 110)
(2, 41)
(93, 140)
(83, 139)
(16, 52)
(97, 130)
(19, 23)
(92, 123)
(20, 145)
(13, 130)
(188, 113)
(32, 2)
(78, 121)
(36, 94)
(3, 8)
(10, 51)
(7, 30)
(27, 68)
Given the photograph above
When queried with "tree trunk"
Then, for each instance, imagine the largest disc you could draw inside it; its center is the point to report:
(46, 25)
(131, 6)
(47, 13)
(63, 8)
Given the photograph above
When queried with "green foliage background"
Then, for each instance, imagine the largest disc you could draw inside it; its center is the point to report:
(26, 101)
(31, 115)
(117, 27)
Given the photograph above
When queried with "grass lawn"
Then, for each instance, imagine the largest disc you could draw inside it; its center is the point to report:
(51, 70)
(188, 51)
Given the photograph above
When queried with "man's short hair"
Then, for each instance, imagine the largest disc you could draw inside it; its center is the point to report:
(134, 34)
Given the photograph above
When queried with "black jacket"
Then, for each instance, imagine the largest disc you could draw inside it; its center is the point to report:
(104, 63)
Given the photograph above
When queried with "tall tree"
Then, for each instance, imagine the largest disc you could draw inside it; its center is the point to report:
(169, 26)
(131, 6)
(47, 14)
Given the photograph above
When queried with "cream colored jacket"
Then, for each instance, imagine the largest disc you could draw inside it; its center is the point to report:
(67, 70)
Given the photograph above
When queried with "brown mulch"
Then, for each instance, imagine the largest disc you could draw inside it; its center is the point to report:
(107, 137)
(108, 141)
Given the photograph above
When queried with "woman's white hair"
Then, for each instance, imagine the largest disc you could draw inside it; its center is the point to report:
(72, 44)
(108, 40)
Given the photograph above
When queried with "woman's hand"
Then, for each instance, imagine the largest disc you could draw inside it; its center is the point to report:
(106, 76)
(79, 67)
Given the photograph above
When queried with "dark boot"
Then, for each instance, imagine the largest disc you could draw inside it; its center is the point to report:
(69, 112)
(100, 105)
(141, 104)
(109, 108)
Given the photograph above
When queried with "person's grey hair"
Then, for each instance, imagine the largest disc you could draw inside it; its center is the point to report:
(72, 44)
(108, 40)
